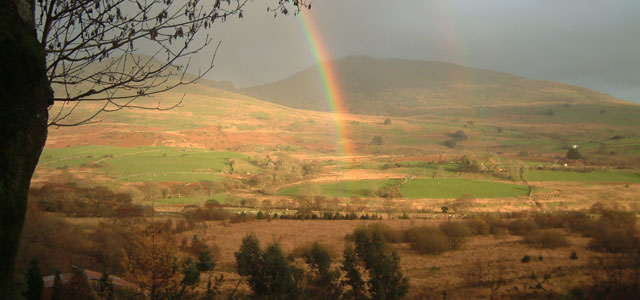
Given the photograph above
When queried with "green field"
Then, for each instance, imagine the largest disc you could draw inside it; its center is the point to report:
(596, 176)
(456, 187)
(149, 163)
(414, 189)
(180, 200)
(359, 188)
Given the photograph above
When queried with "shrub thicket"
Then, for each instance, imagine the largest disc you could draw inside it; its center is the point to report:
(463, 203)
(459, 135)
(76, 201)
(468, 164)
(618, 219)
(615, 240)
(206, 213)
(550, 239)
(548, 221)
(427, 240)
(391, 191)
(455, 233)
(390, 235)
(283, 169)
(522, 226)
(613, 231)
(478, 226)
(449, 143)
(497, 225)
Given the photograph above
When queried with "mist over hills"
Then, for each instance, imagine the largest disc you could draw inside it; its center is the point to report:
(400, 87)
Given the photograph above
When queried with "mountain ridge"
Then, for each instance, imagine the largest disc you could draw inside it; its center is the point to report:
(402, 87)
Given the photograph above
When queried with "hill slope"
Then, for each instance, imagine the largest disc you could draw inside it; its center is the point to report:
(220, 120)
(399, 87)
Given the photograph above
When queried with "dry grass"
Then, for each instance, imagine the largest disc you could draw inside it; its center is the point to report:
(430, 273)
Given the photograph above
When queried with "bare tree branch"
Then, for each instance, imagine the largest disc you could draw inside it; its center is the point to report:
(91, 48)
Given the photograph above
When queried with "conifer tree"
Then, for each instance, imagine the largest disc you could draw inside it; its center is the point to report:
(323, 281)
(205, 260)
(106, 287)
(353, 277)
(191, 274)
(56, 293)
(270, 275)
(386, 281)
(249, 263)
(210, 293)
(33, 278)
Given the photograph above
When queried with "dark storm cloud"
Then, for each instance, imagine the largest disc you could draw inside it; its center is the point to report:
(590, 43)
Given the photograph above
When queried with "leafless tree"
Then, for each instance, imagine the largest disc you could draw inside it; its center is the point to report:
(84, 49)
(90, 49)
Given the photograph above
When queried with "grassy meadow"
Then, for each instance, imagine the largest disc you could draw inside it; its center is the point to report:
(458, 187)
(594, 176)
(151, 163)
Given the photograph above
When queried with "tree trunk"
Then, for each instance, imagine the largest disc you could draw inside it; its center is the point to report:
(24, 97)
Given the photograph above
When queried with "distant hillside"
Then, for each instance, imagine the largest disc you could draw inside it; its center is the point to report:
(399, 87)
(170, 76)
(224, 121)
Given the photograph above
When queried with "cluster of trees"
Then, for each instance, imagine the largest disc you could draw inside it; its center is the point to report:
(305, 207)
(154, 265)
(55, 241)
(370, 270)
(613, 231)
(390, 191)
(456, 137)
(573, 153)
(309, 202)
(468, 164)
(145, 253)
(79, 201)
(150, 190)
(512, 169)
(211, 213)
(208, 212)
(280, 170)
(328, 216)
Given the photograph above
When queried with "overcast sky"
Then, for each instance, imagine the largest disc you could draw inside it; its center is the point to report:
(591, 43)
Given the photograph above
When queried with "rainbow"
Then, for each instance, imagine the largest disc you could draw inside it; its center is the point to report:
(330, 80)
